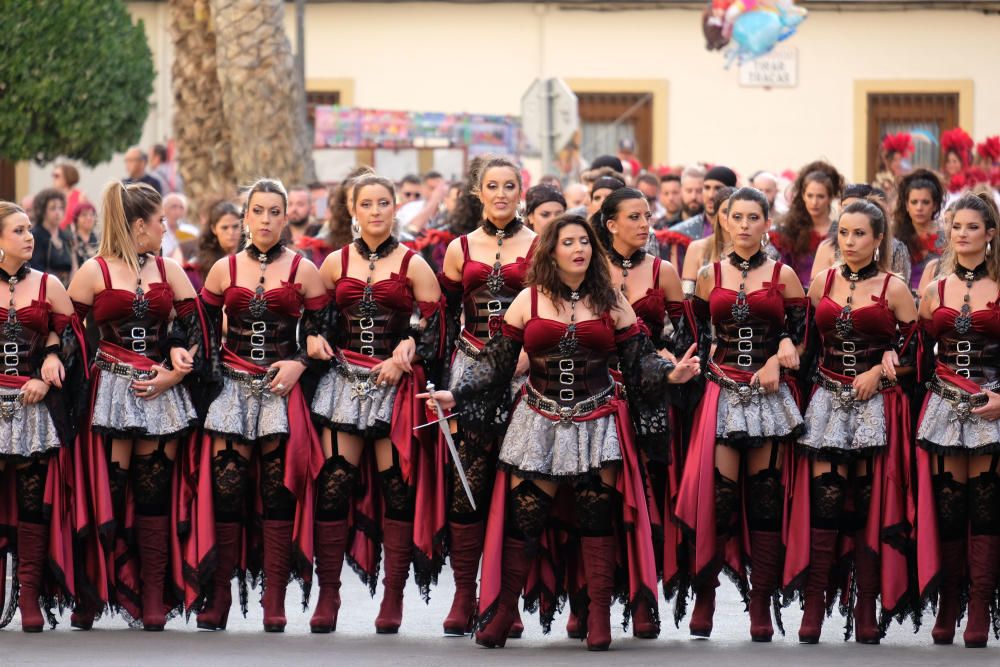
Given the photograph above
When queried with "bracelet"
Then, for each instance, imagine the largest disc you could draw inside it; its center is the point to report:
(55, 349)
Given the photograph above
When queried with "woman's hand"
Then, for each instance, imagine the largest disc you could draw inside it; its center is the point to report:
(318, 348)
(667, 354)
(890, 360)
(442, 398)
(769, 376)
(387, 373)
(287, 373)
(523, 364)
(404, 354)
(33, 391)
(788, 355)
(991, 411)
(161, 381)
(53, 372)
(866, 384)
(688, 367)
(182, 360)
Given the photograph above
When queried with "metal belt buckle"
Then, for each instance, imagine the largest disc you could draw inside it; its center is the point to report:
(257, 353)
(494, 307)
(964, 372)
(848, 346)
(745, 394)
(566, 394)
(963, 346)
(8, 407)
(362, 388)
(257, 385)
(10, 358)
(368, 350)
(963, 410)
(744, 360)
(846, 397)
(963, 360)
(745, 332)
(566, 415)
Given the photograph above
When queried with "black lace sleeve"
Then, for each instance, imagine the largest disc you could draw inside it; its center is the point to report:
(452, 315)
(702, 329)
(644, 373)
(796, 320)
(908, 349)
(810, 358)
(210, 307)
(682, 318)
(68, 405)
(483, 392)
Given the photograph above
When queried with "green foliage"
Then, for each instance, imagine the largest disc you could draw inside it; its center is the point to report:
(75, 79)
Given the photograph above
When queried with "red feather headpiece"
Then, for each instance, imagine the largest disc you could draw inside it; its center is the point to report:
(901, 143)
(989, 149)
(959, 142)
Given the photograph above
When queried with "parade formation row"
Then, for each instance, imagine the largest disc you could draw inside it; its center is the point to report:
(551, 406)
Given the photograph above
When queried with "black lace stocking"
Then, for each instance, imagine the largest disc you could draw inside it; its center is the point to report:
(765, 500)
(727, 504)
(984, 504)
(477, 453)
(399, 498)
(952, 507)
(593, 508)
(151, 483)
(31, 492)
(230, 479)
(279, 503)
(334, 488)
(826, 500)
(118, 481)
(528, 511)
(862, 487)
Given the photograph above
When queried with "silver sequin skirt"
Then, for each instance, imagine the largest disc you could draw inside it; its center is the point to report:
(941, 429)
(119, 412)
(242, 414)
(833, 428)
(359, 408)
(30, 430)
(536, 447)
(762, 417)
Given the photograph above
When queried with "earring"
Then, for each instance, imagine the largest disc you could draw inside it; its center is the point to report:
(989, 248)
(876, 254)
(763, 242)
(3, 254)
(355, 227)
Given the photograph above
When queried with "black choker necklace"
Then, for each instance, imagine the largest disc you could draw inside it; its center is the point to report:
(626, 263)
(752, 262)
(12, 328)
(272, 253)
(384, 248)
(741, 307)
(513, 227)
(845, 323)
(963, 323)
(258, 302)
(495, 282)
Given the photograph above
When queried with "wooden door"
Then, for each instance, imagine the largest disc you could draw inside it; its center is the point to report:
(924, 115)
(607, 118)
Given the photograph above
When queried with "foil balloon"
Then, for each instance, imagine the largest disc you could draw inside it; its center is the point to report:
(756, 26)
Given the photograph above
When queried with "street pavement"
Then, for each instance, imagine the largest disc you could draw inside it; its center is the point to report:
(420, 642)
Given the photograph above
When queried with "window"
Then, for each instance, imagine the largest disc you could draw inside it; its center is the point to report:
(607, 118)
(924, 115)
(316, 98)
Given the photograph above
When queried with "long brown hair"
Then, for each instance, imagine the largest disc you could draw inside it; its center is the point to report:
(872, 208)
(121, 206)
(983, 204)
(921, 179)
(338, 223)
(209, 249)
(596, 285)
(797, 225)
(720, 197)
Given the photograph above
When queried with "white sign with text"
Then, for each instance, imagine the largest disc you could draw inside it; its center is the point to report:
(778, 69)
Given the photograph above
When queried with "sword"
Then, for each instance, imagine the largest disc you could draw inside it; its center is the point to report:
(442, 421)
(436, 421)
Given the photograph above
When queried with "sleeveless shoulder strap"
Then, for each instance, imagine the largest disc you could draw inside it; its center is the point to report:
(162, 268)
(830, 275)
(345, 255)
(405, 264)
(941, 283)
(42, 286)
(101, 262)
(532, 248)
(717, 268)
(656, 271)
(534, 301)
(885, 286)
(464, 240)
(232, 270)
(776, 273)
(296, 260)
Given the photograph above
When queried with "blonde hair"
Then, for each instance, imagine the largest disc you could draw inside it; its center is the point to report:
(121, 205)
(7, 209)
(983, 204)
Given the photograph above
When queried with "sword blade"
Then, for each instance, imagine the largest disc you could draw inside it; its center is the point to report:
(446, 431)
(436, 421)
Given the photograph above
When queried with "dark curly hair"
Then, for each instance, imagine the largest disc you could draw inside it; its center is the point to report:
(337, 228)
(468, 212)
(596, 285)
(796, 225)
(42, 200)
(209, 250)
(920, 179)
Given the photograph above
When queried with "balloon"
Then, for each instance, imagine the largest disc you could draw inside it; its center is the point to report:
(755, 33)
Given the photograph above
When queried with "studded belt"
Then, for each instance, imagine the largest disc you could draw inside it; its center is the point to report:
(745, 392)
(9, 405)
(845, 394)
(106, 362)
(257, 383)
(961, 401)
(468, 348)
(566, 413)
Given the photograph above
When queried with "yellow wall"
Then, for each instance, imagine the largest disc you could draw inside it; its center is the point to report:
(481, 58)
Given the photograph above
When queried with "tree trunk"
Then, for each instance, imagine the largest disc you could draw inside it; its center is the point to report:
(261, 94)
(201, 130)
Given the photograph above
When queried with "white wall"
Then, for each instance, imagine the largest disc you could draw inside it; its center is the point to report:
(481, 58)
